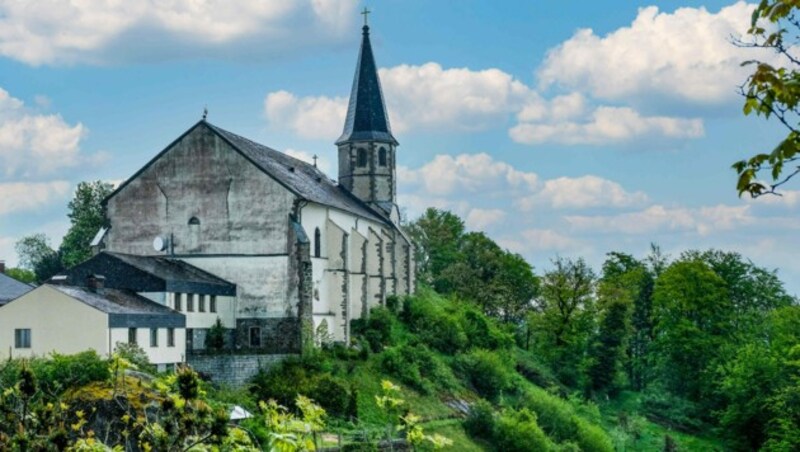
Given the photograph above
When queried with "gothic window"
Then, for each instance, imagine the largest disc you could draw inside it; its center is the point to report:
(362, 158)
(317, 244)
(382, 157)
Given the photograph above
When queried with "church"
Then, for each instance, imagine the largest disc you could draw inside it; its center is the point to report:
(219, 227)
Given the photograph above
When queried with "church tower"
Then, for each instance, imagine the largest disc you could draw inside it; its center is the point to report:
(367, 147)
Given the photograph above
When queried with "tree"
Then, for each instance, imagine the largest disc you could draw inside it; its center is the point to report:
(773, 91)
(563, 323)
(437, 235)
(35, 254)
(87, 215)
(21, 274)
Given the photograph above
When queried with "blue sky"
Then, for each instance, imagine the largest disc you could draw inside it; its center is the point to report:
(558, 130)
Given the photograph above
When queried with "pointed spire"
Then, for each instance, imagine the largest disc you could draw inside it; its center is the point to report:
(366, 113)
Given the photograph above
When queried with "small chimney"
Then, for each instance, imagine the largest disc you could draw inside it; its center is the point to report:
(96, 283)
(2, 266)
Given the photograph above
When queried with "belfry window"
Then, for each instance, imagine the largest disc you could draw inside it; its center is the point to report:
(317, 244)
(362, 158)
(382, 157)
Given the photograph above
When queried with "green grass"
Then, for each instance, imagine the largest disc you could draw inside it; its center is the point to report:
(647, 435)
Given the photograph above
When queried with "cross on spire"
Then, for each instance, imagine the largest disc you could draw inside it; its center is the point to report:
(315, 160)
(365, 13)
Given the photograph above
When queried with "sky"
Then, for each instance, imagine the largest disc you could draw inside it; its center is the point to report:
(558, 130)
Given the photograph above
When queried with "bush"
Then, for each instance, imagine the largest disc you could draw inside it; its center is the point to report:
(135, 355)
(486, 371)
(331, 393)
(58, 373)
(670, 410)
(480, 421)
(482, 331)
(518, 431)
(215, 338)
(559, 419)
(380, 329)
(427, 316)
(418, 367)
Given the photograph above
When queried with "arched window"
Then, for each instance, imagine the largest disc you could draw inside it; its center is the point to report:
(317, 244)
(362, 158)
(382, 156)
(194, 221)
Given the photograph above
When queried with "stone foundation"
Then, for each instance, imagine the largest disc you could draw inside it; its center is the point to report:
(234, 370)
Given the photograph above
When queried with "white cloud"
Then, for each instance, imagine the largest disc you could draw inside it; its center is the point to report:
(21, 196)
(481, 219)
(540, 240)
(685, 55)
(33, 143)
(75, 31)
(656, 218)
(471, 173)
(787, 198)
(582, 192)
(423, 96)
(603, 126)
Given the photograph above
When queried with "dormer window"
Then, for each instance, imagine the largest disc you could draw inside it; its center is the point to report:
(361, 158)
(382, 156)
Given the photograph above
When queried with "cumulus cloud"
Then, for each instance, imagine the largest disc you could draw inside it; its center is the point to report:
(686, 54)
(582, 192)
(423, 97)
(481, 219)
(21, 196)
(322, 163)
(472, 173)
(32, 143)
(540, 240)
(99, 32)
(603, 126)
(658, 218)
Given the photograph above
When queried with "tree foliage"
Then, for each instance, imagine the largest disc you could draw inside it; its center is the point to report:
(773, 91)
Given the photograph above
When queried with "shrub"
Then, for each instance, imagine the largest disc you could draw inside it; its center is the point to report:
(380, 329)
(482, 332)
(134, 355)
(427, 316)
(559, 419)
(418, 367)
(486, 371)
(518, 431)
(671, 410)
(215, 338)
(331, 393)
(480, 421)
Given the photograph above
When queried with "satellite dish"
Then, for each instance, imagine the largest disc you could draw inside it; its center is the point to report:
(160, 243)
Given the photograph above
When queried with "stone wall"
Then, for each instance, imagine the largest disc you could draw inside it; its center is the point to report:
(234, 370)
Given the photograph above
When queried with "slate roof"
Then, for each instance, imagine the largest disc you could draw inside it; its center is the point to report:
(366, 113)
(126, 309)
(149, 274)
(298, 176)
(10, 288)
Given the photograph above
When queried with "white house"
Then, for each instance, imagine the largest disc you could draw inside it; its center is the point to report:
(70, 319)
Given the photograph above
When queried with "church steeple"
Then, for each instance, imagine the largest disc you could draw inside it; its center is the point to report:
(367, 146)
(366, 113)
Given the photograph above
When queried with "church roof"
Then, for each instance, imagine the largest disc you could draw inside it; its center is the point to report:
(298, 176)
(10, 288)
(149, 274)
(366, 113)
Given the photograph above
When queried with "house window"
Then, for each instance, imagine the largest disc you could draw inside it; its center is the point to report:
(362, 158)
(189, 302)
(255, 336)
(201, 303)
(22, 338)
(212, 304)
(131, 335)
(178, 306)
(154, 337)
(317, 244)
(170, 337)
(382, 157)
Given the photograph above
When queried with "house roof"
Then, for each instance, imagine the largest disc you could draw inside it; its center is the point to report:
(125, 308)
(149, 274)
(10, 288)
(366, 113)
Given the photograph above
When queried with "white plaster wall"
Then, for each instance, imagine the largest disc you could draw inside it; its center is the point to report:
(262, 283)
(58, 323)
(161, 354)
(226, 310)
